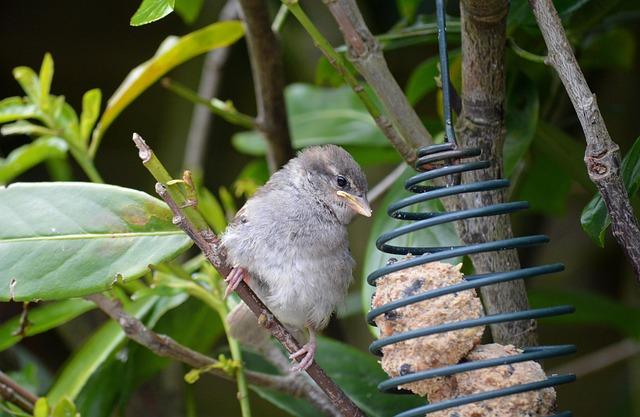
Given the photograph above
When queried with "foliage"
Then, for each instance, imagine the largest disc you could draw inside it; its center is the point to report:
(62, 240)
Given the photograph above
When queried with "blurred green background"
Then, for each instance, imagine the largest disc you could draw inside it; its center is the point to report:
(94, 46)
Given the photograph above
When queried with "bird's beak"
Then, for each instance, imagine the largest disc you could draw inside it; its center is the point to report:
(359, 204)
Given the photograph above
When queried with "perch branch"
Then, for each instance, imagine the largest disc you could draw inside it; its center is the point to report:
(364, 51)
(602, 155)
(268, 81)
(12, 392)
(481, 124)
(335, 59)
(196, 147)
(165, 346)
(188, 219)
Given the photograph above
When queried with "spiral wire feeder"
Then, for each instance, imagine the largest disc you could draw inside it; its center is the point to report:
(447, 161)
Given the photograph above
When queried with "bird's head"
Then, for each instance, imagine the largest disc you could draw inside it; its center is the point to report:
(335, 180)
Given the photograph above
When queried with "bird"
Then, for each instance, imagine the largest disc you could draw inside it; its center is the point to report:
(289, 242)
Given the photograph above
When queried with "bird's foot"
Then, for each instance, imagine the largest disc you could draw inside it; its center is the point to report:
(237, 275)
(308, 351)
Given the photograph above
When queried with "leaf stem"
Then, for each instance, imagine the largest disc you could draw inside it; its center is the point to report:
(281, 16)
(523, 53)
(224, 109)
(86, 163)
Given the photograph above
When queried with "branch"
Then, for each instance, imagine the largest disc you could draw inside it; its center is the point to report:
(188, 219)
(12, 392)
(600, 359)
(196, 147)
(602, 155)
(481, 125)
(268, 81)
(165, 346)
(366, 55)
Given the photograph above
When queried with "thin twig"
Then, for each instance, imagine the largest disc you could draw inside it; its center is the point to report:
(224, 109)
(165, 346)
(188, 219)
(268, 81)
(600, 359)
(386, 183)
(196, 146)
(12, 392)
(365, 53)
(602, 155)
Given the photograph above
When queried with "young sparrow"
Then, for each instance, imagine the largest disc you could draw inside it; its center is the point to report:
(291, 239)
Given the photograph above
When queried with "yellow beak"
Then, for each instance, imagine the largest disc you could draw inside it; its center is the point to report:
(359, 204)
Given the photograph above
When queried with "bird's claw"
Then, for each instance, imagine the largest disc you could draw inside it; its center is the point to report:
(309, 352)
(234, 278)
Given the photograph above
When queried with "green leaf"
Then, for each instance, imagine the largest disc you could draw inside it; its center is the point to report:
(591, 309)
(442, 235)
(43, 318)
(408, 8)
(599, 53)
(16, 108)
(61, 240)
(90, 111)
(30, 155)
(95, 351)
(23, 127)
(41, 408)
(46, 76)
(318, 116)
(359, 374)
(211, 210)
(297, 407)
(64, 408)
(523, 106)
(422, 80)
(564, 150)
(29, 82)
(173, 52)
(189, 10)
(536, 189)
(151, 10)
(595, 219)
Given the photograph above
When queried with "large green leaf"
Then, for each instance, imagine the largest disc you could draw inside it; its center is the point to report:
(319, 115)
(30, 155)
(535, 186)
(422, 80)
(564, 150)
(598, 52)
(151, 10)
(595, 218)
(359, 374)
(522, 106)
(43, 318)
(94, 352)
(61, 240)
(173, 52)
(442, 235)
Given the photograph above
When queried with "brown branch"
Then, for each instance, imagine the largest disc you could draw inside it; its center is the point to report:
(602, 155)
(600, 359)
(196, 147)
(12, 392)
(212, 249)
(167, 347)
(268, 81)
(481, 125)
(365, 53)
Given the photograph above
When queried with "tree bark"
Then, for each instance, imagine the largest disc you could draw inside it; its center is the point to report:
(482, 125)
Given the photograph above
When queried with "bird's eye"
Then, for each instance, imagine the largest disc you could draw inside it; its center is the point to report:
(341, 181)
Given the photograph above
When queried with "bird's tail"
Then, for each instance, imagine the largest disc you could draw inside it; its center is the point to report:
(244, 327)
